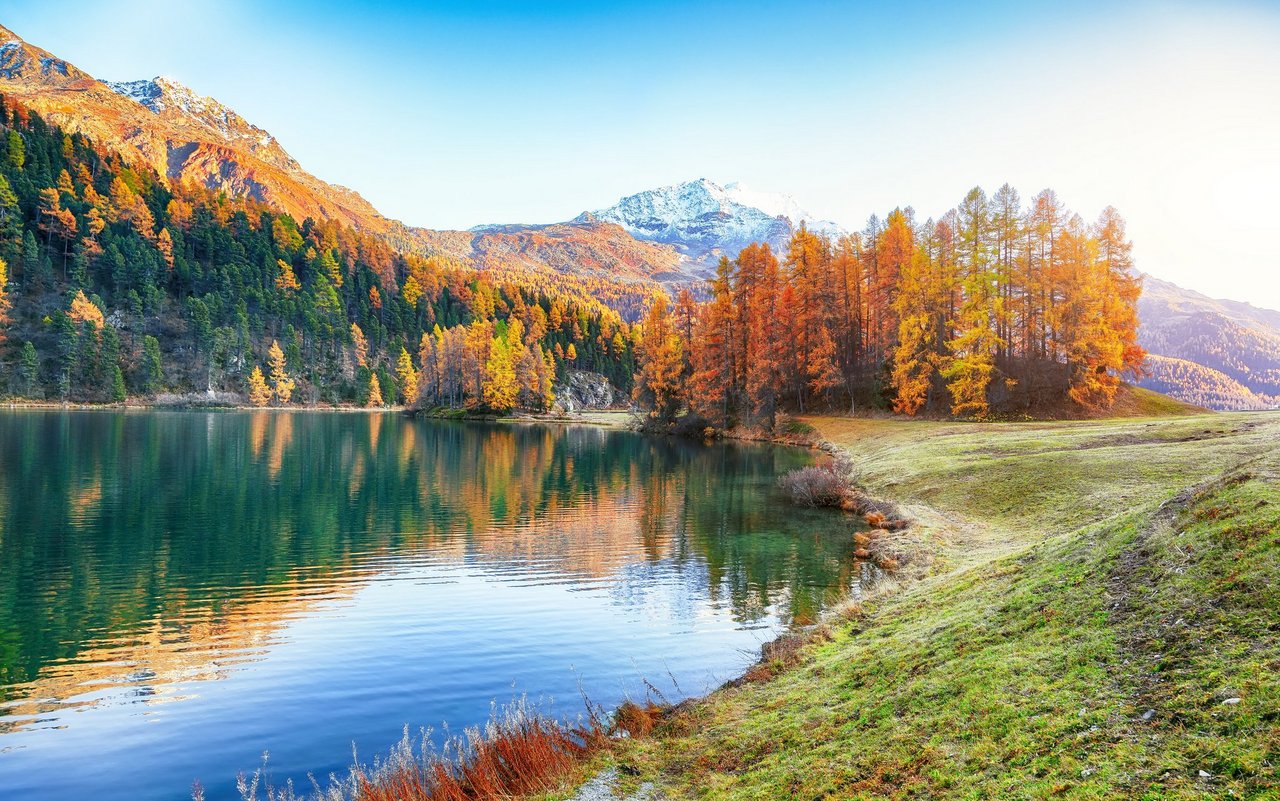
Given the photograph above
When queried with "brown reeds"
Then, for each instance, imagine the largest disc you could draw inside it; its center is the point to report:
(637, 720)
(518, 753)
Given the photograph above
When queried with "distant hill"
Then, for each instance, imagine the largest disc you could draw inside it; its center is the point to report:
(1221, 354)
(1200, 385)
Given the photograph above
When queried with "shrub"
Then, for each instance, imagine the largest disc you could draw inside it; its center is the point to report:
(816, 486)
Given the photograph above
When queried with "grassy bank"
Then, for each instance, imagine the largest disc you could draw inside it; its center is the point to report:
(1100, 618)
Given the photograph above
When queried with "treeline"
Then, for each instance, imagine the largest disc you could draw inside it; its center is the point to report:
(991, 308)
(115, 284)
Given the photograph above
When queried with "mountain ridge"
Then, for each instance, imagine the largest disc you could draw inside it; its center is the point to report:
(181, 134)
(670, 236)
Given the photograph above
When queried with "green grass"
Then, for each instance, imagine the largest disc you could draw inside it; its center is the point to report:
(1082, 573)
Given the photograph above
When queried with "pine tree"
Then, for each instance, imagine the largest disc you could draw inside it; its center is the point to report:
(153, 370)
(29, 369)
(259, 392)
(118, 391)
(17, 150)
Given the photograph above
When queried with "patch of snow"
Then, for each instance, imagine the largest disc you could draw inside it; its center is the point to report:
(705, 221)
(780, 204)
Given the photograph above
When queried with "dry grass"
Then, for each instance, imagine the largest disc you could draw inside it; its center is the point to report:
(637, 720)
(518, 753)
(822, 485)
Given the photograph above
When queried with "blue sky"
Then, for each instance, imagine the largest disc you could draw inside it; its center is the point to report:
(461, 113)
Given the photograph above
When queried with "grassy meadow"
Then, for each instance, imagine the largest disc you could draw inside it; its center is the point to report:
(1090, 611)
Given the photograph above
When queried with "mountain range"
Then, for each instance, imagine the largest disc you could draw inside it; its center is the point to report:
(1215, 353)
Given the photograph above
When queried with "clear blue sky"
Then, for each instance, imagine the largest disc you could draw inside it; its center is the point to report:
(460, 113)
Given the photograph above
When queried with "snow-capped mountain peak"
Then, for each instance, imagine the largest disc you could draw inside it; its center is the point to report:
(164, 94)
(704, 220)
(779, 204)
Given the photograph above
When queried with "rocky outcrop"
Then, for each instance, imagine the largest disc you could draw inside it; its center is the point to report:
(583, 391)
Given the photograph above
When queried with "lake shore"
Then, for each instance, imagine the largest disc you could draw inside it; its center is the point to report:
(1022, 656)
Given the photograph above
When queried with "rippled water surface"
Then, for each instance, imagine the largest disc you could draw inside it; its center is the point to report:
(182, 591)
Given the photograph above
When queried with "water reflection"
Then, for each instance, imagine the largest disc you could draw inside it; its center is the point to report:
(146, 555)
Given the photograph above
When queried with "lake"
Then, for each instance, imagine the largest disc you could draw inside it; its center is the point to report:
(183, 591)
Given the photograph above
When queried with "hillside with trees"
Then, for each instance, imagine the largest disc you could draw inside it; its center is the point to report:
(1239, 341)
(1203, 386)
(117, 283)
(991, 309)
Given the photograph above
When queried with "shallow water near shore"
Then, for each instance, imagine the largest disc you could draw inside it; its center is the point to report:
(182, 591)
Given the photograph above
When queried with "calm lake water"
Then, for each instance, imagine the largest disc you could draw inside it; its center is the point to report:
(182, 591)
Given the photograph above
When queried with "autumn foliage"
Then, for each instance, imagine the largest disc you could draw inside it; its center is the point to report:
(120, 254)
(991, 308)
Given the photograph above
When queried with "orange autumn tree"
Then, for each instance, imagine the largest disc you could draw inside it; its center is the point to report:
(989, 308)
(659, 386)
(359, 346)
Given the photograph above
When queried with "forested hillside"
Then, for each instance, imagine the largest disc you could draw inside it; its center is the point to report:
(990, 309)
(116, 284)
(1236, 340)
(1203, 386)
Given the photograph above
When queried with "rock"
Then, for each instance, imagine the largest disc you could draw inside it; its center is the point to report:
(582, 391)
(1149, 714)
(1231, 701)
(1206, 775)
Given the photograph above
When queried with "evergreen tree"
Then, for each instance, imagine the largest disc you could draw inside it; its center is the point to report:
(29, 370)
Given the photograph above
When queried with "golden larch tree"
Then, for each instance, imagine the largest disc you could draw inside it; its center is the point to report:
(281, 384)
(259, 392)
(408, 377)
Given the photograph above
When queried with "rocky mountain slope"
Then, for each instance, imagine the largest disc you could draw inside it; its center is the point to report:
(668, 236)
(704, 221)
(170, 128)
(1237, 344)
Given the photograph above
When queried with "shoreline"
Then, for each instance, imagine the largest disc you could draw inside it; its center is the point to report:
(949, 644)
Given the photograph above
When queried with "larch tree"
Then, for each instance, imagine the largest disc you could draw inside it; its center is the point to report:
(916, 359)
(359, 346)
(658, 385)
(259, 392)
(5, 304)
(974, 349)
(282, 385)
(408, 377)
(499, 388)
(375, 391)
